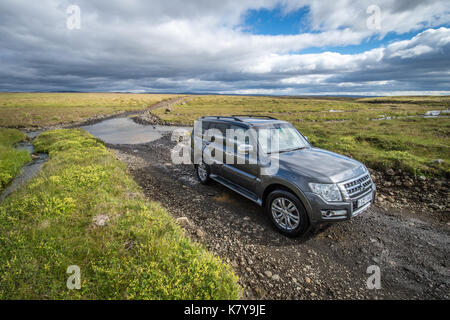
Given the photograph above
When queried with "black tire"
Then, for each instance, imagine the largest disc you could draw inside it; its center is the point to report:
(203, 180)
(289, 230)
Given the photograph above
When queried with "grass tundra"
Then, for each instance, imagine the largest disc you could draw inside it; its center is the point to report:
(44, 109)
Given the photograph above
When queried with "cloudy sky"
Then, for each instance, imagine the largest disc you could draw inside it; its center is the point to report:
(293, 47)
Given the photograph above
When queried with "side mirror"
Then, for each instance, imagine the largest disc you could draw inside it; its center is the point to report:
(245, 149)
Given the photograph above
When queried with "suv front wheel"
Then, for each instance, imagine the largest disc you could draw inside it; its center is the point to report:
(287, 213)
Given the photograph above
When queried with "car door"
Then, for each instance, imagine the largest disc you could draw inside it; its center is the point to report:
(216, 135)
(243, 170)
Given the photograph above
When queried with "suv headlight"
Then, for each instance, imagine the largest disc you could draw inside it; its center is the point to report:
(329, 192)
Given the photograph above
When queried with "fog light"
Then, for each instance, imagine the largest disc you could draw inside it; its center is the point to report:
(333, 213)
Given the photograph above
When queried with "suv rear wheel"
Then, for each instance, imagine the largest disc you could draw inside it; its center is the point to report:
(287, 213)
(203, 172)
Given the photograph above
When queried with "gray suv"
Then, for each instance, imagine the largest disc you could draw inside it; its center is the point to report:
(271, 163)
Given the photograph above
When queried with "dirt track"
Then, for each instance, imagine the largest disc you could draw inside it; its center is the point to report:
(412, 252)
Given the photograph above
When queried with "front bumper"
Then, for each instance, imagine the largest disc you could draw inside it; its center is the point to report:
(322, 210)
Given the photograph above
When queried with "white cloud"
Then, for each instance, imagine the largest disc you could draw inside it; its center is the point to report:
(199, 45)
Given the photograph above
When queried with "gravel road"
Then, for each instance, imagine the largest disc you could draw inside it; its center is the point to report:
(411, 250)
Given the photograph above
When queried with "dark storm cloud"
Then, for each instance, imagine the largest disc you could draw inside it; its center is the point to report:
(196, 46)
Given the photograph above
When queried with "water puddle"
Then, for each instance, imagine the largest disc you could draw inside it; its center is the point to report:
(29, 170)
(428, 114)
(114, 131)
(436, 113)
(126, 131)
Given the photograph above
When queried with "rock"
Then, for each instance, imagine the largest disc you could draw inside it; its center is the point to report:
(390, 172)
(168, 110)
(435, 206)
(398, 183)
(387, 183)
(34, 157)
(200, 233)
(129, 244)
(183, 221)
(276, 277)
(44, 224)
(437, 161)
(308, 280)
(100, 220)
(260, 292)
(408, 183)
(268, 274)
(422, 178)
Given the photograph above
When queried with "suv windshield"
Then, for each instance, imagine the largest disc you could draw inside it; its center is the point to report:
(280, 137)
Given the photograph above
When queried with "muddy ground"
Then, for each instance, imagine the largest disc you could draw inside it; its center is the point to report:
(412, 249)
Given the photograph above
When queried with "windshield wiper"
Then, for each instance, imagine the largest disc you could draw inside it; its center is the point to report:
(288, 150)
(293, 149)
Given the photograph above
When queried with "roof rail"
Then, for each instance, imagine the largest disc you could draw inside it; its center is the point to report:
(222, 117)
(253, 116)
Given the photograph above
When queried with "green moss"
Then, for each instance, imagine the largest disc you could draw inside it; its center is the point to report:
(140, 254)
(11, 160)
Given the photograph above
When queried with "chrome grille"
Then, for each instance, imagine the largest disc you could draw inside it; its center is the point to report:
(358, 186)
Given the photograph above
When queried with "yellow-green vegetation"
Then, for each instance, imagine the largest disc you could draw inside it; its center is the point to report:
(11, 159)
(428, 100)
(408, 142)
(141, 253)
(43, 109)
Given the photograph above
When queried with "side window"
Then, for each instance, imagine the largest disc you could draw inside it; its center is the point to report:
(233, 140)
(200, 128)
(241, 130)
(219, 132)
(222, 127)
(205, 126)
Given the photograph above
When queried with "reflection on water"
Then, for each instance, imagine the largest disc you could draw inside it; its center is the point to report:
(126, 131)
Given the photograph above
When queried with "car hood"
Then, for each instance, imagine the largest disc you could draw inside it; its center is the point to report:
(321, 165)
